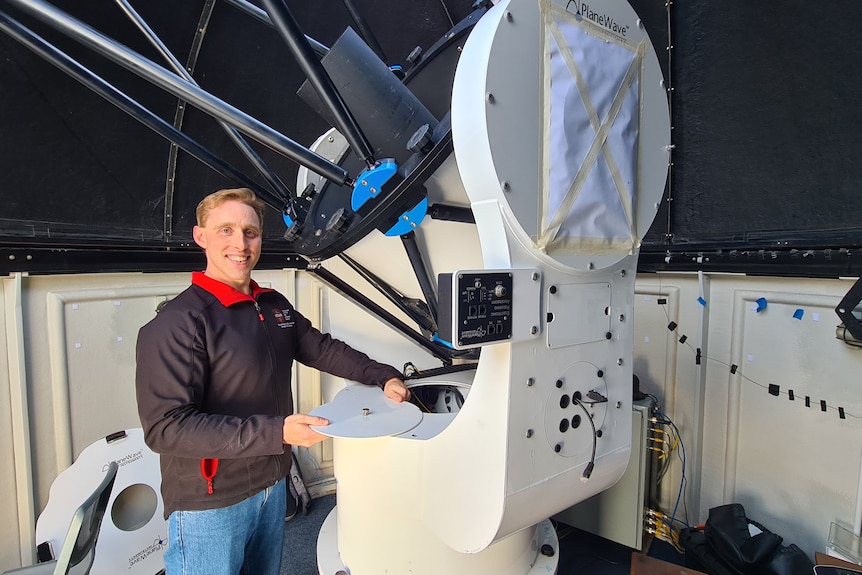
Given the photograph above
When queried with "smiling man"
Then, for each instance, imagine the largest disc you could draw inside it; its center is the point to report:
(213, 387)
(230, 234)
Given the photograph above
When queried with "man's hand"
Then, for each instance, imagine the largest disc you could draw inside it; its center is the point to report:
(296, 430)
(395, 390)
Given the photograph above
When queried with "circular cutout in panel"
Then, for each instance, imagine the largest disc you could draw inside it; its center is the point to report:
(568, 433)
(134, 507)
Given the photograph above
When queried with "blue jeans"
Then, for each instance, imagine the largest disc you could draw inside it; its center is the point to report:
(244, 539)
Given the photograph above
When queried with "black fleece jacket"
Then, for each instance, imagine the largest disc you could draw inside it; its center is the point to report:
(213, 389)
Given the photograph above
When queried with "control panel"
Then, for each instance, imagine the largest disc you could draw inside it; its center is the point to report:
(476, 307)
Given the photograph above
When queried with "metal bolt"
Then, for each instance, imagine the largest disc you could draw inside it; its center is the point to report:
(530, 382)
(365, 411)
(490, 97)
(622, 317)
(622, 273)
(535, 276)
(620, 361)
(529, 433)
(505, 185)
(534, 330)
(508, 16)
(591, 265)
(619, 404)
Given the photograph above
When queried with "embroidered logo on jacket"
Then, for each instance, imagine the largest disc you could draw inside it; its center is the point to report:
(282, 317)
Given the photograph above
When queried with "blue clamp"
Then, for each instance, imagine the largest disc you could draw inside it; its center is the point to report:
(370, 182)
(409, 220)
(288, 221)
(436, 338)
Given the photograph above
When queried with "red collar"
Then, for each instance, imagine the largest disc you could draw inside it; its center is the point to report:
(226, 294)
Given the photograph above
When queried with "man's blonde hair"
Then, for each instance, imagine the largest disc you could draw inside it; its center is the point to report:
(215, 199)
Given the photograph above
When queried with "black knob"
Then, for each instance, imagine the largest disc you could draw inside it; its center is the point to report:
(420, 141)
(291, 232)
(338, 222)
(414, 55)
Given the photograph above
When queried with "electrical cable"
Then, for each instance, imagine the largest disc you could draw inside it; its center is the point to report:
(591, 465)
(682, 483)
(735, 369)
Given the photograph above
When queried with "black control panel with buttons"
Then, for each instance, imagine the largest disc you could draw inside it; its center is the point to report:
(480, 311)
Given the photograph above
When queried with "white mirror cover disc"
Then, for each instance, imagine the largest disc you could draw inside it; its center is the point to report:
(362, 411)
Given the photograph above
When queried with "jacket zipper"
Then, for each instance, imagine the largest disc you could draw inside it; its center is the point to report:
(272, 369)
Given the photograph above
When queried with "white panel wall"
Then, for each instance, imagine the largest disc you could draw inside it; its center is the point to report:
(794, 468)
(66, 380)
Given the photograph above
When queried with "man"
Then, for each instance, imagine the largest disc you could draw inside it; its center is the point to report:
(214, 398)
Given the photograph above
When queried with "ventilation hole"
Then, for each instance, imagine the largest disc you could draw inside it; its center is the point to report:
(134, 507)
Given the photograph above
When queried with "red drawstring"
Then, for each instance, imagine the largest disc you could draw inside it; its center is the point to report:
(208, 470)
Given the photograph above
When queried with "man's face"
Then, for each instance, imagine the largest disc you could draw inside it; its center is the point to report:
(231, 240)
